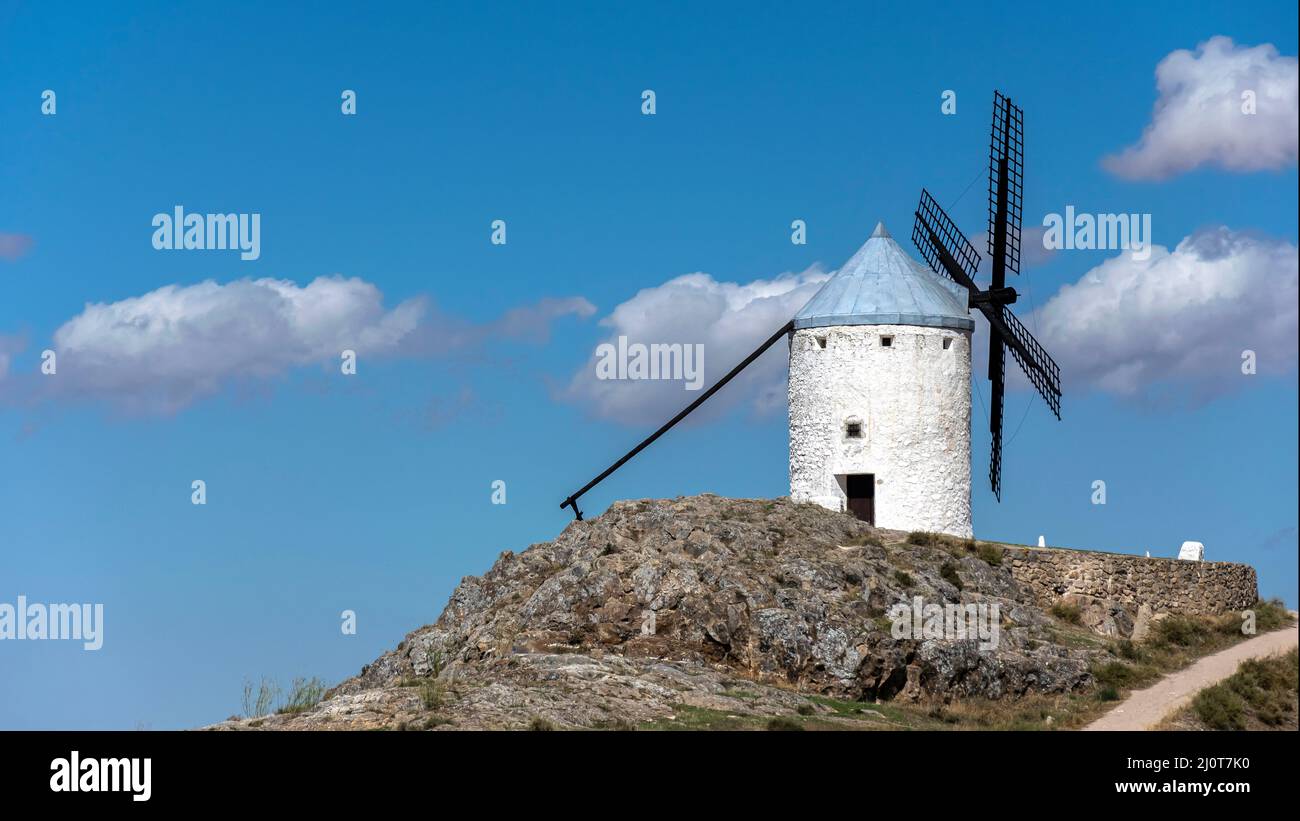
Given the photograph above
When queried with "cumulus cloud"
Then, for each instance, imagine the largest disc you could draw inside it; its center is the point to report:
(729, 319)
(1171, 326)
(1176, 324)
(170, 347)
(1199, 117)
(13, 246)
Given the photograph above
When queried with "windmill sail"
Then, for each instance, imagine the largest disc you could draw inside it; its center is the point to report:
(1006, 180)
(997, 374)
(1034, 360)
(933, 224)
(1006, 197)
(948, 251)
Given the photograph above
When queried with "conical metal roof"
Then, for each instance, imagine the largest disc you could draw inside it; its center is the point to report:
(882, 285)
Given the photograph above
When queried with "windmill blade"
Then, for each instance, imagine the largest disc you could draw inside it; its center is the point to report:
(997, 375)
(1041, 369)
(937, 237)
(1006, 182)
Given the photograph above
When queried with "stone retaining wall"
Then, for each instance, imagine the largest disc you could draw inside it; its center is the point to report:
(1163, 585)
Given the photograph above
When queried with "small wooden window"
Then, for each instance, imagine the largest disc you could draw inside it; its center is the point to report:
(853, 430)
(947, 342)
(886, 341)
(821, 342)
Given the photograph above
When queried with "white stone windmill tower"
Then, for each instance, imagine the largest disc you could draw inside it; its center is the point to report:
(880, 364)
(880, 394)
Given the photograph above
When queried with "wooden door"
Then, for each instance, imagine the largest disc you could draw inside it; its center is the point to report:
(862, 496)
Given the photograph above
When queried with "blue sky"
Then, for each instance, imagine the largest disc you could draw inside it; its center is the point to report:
(372, 492)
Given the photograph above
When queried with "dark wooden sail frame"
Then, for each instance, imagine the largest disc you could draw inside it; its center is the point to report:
(948, 251)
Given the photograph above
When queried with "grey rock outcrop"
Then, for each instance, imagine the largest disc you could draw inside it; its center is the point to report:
(776, 591)
(713, 603)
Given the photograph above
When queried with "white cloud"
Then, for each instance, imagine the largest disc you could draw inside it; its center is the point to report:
(730, 320)
(161, 351)
(1199, 119)
(1171, 325)
(1176, 324)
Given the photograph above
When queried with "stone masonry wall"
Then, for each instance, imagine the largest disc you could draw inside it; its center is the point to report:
(1163, 585)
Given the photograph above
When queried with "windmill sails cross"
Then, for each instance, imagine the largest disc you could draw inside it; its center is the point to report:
(947, 251)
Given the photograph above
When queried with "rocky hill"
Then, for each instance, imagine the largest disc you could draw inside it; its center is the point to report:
(757, 606)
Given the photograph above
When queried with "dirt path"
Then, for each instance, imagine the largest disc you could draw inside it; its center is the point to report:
(1147, 707)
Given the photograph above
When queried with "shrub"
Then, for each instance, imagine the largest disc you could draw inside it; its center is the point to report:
(1126, 649)
(540, 724)
(1220, 708)
(1114, 674)
(1268, 686)
(903, 578)
(1269, 615)
(806, 710)
(1180, 631)
(949, 573)
(1108, 693)
(783, 724)
(992, 554)
(1066, 612)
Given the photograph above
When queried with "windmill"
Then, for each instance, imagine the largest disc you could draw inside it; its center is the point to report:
(948, 252)
(881, 295)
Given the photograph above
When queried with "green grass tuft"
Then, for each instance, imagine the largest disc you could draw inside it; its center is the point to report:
(432, 694)
(304, 694)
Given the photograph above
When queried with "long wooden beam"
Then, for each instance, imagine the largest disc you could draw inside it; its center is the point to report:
(572, 500)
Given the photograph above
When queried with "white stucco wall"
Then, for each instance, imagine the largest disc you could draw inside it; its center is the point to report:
(913, 400)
